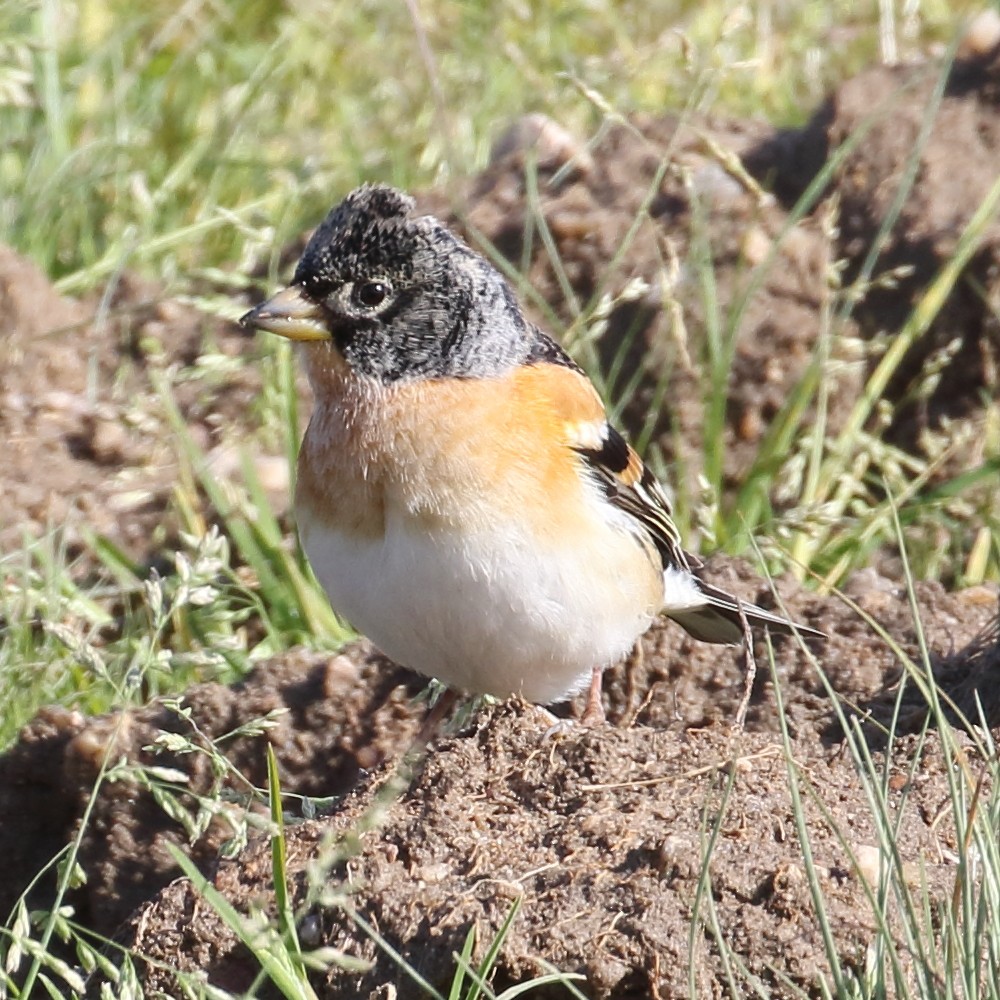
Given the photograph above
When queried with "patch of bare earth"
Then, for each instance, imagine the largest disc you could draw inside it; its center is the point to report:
(601, 837)
(88, 447)
(601, 834)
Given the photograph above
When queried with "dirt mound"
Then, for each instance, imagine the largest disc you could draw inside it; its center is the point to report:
(576, 238)
(339, 717)
(670, 175)
(954, 163)
(598, 836)
(334, 719)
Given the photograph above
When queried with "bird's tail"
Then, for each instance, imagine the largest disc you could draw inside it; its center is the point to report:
(718, 619)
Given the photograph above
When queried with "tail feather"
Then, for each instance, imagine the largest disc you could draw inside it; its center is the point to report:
(718, 619)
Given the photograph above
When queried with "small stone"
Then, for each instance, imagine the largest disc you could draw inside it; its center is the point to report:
(982, 35)
(552, 145)
(108, 440)
(982, 595)
(756, 246)
(273, 473)
(341, 673)
(868, 863)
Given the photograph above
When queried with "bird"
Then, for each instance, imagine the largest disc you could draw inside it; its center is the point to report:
(461, 495)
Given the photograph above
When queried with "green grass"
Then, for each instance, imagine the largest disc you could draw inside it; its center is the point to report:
(182, 139)
(192, 143)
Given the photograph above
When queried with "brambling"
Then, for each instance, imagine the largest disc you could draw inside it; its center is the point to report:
(461, 496)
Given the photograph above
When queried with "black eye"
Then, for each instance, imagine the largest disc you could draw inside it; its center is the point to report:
(372, 293)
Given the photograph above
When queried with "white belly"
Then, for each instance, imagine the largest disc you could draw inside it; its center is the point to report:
(487, 612)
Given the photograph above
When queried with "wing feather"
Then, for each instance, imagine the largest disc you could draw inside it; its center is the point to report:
(631, 487)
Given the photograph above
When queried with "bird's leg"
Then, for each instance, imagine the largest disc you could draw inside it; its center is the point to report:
(749, 668)
(593, 713)
(434, 717)
(633, 665)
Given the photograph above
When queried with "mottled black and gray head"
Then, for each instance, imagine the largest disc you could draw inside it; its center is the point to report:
(399, 296)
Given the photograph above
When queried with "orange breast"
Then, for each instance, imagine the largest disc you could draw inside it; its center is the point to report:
(452, 451)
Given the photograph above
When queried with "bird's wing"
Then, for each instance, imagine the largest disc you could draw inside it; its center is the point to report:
(708, 613)
(631, 487)
(608, 457)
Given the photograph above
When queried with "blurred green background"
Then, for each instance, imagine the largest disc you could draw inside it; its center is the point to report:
(176, 137)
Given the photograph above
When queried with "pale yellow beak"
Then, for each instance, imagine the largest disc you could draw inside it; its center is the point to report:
(290, 314)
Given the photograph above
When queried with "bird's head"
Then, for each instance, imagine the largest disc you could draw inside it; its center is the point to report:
(397, 296)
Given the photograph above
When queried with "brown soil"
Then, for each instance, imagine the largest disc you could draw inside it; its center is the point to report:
(88, 447)
(598, 834)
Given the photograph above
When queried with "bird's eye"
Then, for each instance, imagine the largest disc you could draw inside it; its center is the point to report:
(371, 293)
